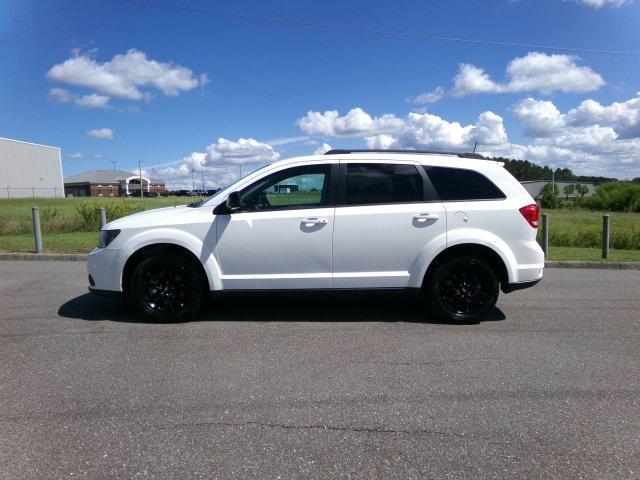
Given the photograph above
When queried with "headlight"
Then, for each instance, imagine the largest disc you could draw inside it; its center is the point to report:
(107, 236)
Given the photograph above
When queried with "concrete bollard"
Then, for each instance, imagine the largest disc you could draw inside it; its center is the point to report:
(606, 229)
(37, 233)
(103, 218)
(545, 235)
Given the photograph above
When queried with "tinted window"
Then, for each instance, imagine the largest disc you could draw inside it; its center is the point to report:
(291, 188)
(369, 183)
(460, 184)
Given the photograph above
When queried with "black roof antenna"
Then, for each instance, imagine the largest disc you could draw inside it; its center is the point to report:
(475, 146)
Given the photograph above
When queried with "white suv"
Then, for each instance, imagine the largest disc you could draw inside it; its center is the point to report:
(454, 227)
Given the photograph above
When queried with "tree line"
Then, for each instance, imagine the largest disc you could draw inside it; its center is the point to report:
(526, 170)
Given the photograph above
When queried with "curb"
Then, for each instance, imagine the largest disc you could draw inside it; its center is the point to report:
(69, 257)
(601, 265)
(82, 257)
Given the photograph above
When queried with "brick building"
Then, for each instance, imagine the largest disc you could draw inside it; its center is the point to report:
(110, 183)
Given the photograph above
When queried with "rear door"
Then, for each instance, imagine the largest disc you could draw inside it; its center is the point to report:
(386, 215)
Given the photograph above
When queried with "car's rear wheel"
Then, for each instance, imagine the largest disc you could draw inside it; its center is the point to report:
(167, 288)
(462, 289)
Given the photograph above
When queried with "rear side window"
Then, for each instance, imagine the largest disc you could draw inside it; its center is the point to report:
(459, 184)
(373, 183)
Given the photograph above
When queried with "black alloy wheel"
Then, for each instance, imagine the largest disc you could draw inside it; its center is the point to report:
(167, 288)
(463, 289)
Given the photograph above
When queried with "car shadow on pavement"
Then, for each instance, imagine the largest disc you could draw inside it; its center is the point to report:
(306, 307)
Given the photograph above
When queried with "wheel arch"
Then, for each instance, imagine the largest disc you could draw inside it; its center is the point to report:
(159, 249)
(490, 255)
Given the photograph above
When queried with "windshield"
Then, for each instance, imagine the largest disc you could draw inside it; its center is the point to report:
(215, 198)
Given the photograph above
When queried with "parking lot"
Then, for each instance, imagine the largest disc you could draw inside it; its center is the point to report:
(357, 386)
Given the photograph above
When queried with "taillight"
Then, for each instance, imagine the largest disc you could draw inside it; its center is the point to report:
(531, 214)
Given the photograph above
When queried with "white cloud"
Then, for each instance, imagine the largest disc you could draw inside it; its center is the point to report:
(603, 3)
(489, 129)
(244, 151)
(588, 138)
(624, 117)
(61, 95)
(535, 72)
(539, 117)
(592, 138)
(380, 142)
(429, 97)
(471, 80)
(220, 163)
(424, 131)
(355, 123)
(93, 101)
(322, 149)
(128, 76)
(76, 156)
(101, 133)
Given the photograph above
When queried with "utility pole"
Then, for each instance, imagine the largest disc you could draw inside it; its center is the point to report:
(140, 171)
(193, 180)
(553, 180)
(202, 172)
(115, 162)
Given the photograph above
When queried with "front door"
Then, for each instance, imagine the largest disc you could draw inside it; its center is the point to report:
(281, 236)
(386, 218)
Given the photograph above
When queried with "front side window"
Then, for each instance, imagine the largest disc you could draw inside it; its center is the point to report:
(458, 184)
(375, 183)
(297, 187)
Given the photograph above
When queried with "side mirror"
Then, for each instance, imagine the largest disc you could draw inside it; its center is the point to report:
(233, 201)
(229, 205)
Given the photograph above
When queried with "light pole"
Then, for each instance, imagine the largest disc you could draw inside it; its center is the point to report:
(202, 172)
(115, 162)
(140, 172)
(193, 180)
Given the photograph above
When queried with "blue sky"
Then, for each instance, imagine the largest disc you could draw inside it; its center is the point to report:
(113, 80)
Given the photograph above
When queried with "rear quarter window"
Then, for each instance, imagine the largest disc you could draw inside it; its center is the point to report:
(459, 184)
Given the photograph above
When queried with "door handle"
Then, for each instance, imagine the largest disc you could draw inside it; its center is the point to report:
(424, 217)
(313, 221)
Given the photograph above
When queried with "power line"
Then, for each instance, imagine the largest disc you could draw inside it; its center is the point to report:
(374, 31)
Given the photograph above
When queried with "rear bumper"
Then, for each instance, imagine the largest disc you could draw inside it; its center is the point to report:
(512, 287)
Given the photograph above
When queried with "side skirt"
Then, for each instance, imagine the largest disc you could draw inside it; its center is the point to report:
(314, 291)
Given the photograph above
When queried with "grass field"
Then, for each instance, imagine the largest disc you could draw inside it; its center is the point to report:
(70, 225)
(583, 228)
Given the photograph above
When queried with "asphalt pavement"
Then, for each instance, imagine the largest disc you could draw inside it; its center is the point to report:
(353, 386)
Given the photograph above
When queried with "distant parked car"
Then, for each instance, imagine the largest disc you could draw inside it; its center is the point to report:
(454, 228)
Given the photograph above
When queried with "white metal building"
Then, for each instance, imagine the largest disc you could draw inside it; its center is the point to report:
(29, 170)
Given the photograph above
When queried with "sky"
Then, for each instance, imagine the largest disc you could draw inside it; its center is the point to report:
(185, 89)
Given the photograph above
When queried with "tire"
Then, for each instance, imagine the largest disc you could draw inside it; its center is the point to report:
(167, 288)
(462, 289)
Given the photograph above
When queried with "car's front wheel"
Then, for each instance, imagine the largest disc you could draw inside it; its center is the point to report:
(167, 288)
(462, 289)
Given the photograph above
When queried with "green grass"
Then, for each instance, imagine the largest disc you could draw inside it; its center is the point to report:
(583, 228)
(70, 242)
(594, 254)
(65, 214)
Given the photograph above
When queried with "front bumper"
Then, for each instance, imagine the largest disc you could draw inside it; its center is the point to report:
(105, 267)
(105, 293)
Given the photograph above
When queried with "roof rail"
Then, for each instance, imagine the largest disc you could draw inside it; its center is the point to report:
(417, 152)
